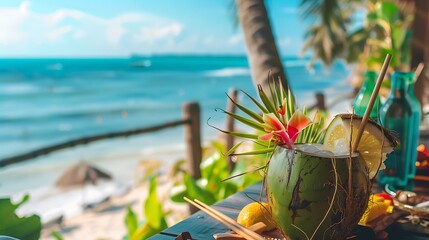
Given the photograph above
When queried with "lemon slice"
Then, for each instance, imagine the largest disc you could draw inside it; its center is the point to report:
(375, 144)
(256, 212)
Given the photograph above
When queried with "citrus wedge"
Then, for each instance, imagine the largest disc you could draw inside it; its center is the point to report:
(256, 212)
(375, 144)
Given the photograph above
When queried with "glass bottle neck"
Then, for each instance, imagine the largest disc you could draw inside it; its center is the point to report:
(369, 81)
(399, 84)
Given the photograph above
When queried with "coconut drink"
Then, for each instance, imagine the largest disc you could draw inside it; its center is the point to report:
(309, 195)
(314, 191)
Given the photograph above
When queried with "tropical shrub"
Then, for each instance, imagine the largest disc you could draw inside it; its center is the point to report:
(24, 228)
(213, 185)
(155, 218)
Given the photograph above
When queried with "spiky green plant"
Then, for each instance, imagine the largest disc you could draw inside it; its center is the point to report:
(281, 121)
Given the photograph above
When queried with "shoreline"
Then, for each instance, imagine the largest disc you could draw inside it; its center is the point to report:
(37, 178)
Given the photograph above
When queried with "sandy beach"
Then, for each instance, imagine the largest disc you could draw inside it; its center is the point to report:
(106, 221)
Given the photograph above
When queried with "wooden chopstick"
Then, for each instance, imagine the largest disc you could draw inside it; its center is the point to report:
(225, 220)
(228, 219)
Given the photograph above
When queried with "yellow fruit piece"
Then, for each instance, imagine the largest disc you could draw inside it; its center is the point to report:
(376, 207)
(256, 212)
(375, 144)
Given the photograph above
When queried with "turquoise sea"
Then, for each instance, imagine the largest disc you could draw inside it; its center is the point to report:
(48, 101)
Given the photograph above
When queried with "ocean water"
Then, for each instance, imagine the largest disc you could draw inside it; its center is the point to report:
(48, 101)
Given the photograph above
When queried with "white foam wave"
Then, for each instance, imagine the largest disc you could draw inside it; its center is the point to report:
(228, 72)
(296, 63)
(19, 89)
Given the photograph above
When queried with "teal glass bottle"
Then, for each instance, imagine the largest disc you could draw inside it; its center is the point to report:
(414, 126)
(361, 101)
(396, 116)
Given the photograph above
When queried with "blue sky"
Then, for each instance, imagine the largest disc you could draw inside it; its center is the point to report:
(73, 28)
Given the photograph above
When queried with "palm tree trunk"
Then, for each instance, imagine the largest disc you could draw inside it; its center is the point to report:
(420, 47)
(261, 47)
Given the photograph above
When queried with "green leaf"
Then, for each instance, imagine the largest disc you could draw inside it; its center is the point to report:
(214, 167)
(248, 122)
(177, 193)
(153, 208)
(260, 106)
(243, 135)
(249, 112)
(290, 105)
(144, 232)
(194, 191)
(274, 98)
(228, 188)
(254, 152)
(57, 236)
(267, 103)
(232, 150)
(131, 221)
(388, 11)
(24, 228)
(398, 37)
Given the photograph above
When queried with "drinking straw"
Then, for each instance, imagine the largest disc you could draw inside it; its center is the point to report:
(372, 100)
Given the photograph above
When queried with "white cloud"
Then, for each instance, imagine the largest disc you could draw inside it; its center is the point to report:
(70, 32)
(78, 34)
(23, 8)
(11, 20)
(58, 33)
(21, 27)
(235, 39)
(151, 34)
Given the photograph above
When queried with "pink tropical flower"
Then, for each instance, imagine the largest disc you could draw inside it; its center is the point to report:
(284, 134)
(296, 124)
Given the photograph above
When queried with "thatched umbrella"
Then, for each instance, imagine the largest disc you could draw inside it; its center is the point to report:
(81, 174)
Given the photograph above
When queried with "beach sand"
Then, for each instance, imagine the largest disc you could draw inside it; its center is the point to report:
(106, 221)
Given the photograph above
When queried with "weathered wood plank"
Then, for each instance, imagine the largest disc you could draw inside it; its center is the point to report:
(162, 236)
(202, 227)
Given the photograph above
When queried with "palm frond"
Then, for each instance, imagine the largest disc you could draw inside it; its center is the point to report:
(249, 112)
(266, 101)
(248, 122)
(260, 106)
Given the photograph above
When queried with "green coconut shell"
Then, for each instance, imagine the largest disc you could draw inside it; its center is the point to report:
(310, 197)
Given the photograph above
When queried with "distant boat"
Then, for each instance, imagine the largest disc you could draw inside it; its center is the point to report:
(140, 61)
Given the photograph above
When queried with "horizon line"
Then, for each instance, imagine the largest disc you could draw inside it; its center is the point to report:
(136, 55)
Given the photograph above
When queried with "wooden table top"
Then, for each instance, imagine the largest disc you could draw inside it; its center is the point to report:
(202, 227)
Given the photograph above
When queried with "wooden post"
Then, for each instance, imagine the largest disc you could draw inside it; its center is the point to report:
(229, 140)
(320, 102)
(191, 112)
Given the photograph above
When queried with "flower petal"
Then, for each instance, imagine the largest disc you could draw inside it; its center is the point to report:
(266, 137)
(296, 124)
(284, 138)
(272, 123)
